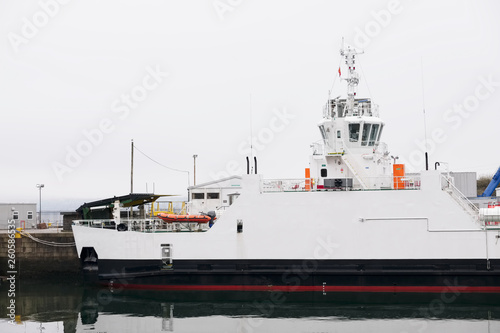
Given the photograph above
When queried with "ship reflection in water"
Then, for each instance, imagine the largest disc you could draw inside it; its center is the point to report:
(69, 308)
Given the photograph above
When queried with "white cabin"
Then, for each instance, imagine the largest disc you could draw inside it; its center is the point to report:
(350, 154)
(215, 196)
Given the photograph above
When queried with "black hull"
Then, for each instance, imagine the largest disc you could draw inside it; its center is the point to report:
(433, 276)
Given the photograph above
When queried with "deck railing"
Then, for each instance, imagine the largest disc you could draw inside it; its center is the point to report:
(372, 183)
(144, 225)
(318, 148)
(284, 185)
(448, 186)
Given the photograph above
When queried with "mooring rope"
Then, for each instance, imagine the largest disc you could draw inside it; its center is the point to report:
(44, 242)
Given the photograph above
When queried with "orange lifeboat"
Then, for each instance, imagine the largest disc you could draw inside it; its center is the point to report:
(170, 218)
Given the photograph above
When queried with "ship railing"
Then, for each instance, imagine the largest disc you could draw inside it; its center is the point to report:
(99, 223)
(363, 108)
(318, 148)
(406, 182)
(144, 225)
(311, 184)
(284, 185)
(158, 225)
(391, 183)
(448, 186)
(219, 211)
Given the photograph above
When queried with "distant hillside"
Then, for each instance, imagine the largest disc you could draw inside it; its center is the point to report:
(482, 183)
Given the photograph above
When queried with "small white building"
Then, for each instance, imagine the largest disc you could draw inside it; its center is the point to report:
(23, 213)
(215, 196)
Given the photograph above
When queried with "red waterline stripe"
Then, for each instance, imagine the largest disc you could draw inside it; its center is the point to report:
(380, 289)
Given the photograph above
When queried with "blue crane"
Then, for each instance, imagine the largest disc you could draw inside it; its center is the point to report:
(492, 185)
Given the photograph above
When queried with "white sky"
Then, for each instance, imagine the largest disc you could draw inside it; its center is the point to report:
(69, 75)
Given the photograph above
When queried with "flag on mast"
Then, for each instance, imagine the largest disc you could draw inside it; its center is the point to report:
(339, 72)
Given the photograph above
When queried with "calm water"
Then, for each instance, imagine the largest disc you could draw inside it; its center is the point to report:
(57, 306)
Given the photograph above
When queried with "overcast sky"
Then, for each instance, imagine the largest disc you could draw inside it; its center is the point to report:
(80, 79)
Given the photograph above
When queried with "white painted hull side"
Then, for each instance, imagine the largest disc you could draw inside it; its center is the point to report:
(412, 224)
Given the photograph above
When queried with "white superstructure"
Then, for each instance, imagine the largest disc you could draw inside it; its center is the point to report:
(350, 151)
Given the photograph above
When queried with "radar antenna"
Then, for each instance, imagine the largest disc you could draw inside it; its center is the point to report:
(349, 54)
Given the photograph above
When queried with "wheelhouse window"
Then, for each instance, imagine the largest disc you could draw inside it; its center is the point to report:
(373, 134)
(198, 196)
(324, 173)
(366, 132)
(30, 215)
(380, 132)
(338, 134)
(323, 133)
(15, 215)
(212, 195)
(353, 132)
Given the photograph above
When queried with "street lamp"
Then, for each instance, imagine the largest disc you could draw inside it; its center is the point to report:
(194, 169)
(40, 186)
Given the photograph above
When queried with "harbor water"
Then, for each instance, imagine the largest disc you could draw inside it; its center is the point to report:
(70, 306)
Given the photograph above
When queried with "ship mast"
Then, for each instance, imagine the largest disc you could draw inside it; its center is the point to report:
(352, 79)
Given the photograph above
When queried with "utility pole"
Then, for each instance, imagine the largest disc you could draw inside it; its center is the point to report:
(40, 186)
(194, 169)
(131, 175)
(132, 166)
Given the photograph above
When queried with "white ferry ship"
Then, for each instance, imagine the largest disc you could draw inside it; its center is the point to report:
(355, 222)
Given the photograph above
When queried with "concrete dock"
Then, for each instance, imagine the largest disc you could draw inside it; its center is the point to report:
(41, 255)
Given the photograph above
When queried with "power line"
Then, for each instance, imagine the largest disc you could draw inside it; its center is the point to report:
(160, 164)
